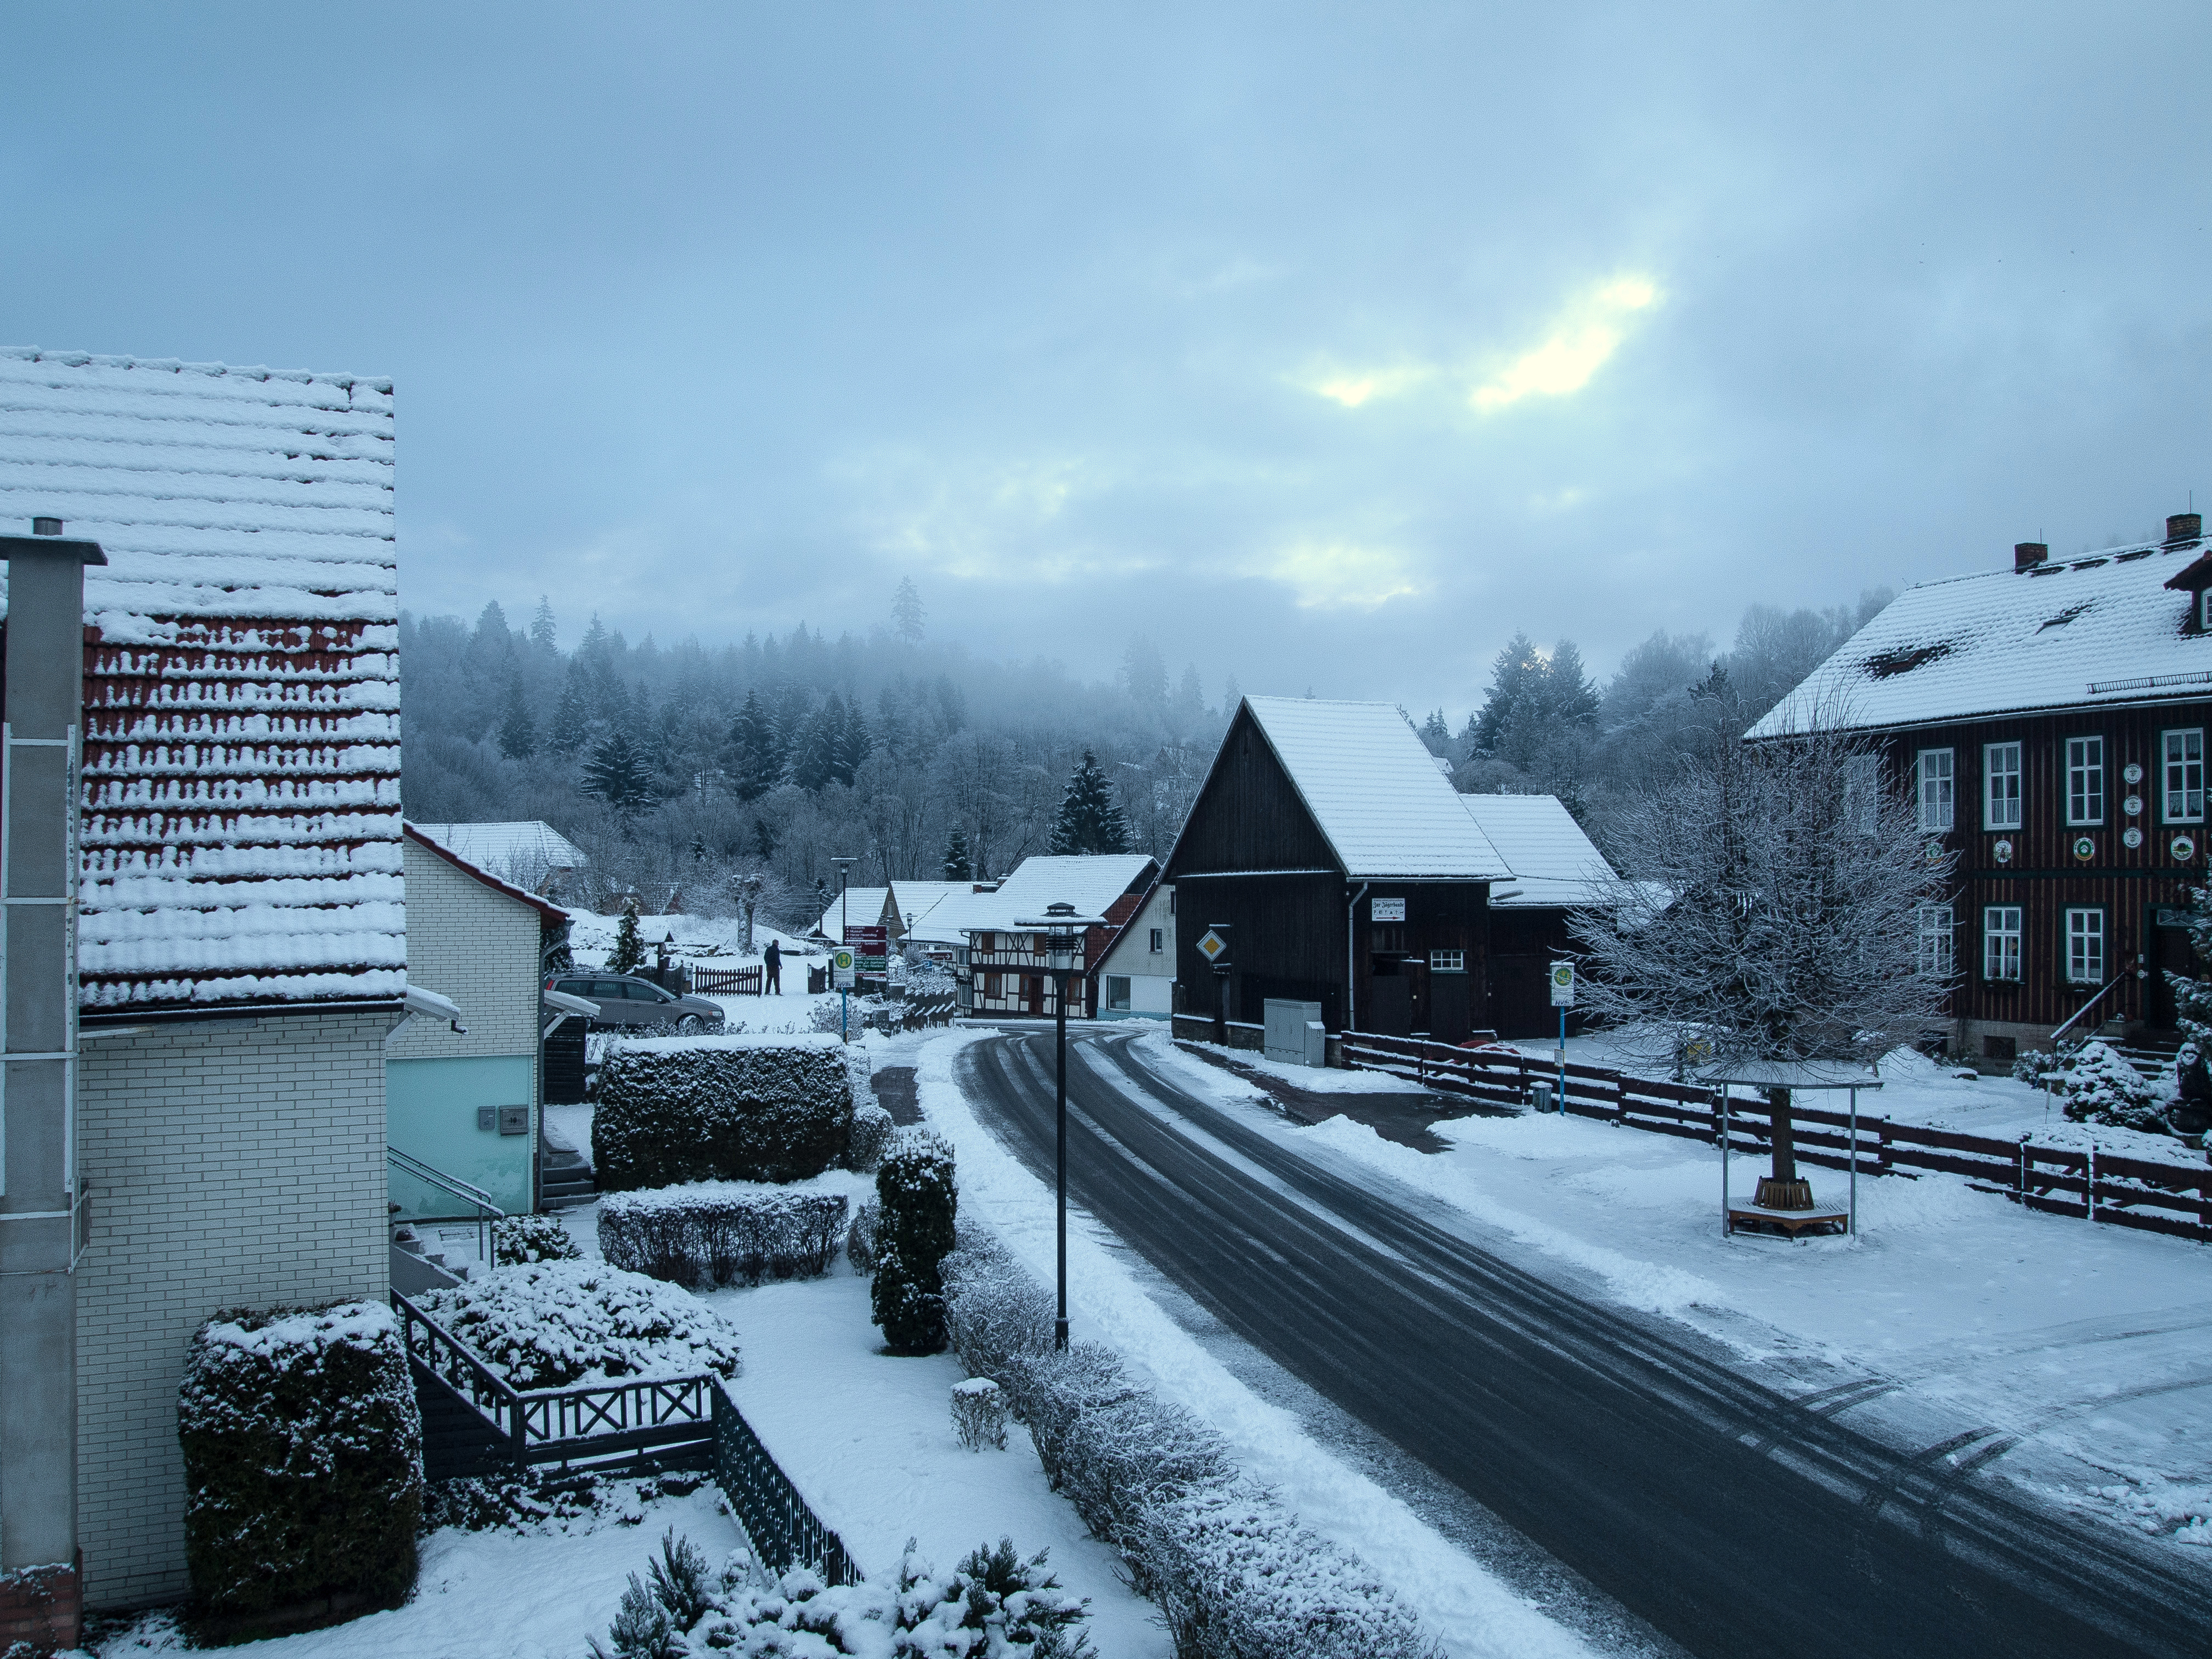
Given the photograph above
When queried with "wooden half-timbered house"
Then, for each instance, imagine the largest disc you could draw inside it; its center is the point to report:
(2050, 721)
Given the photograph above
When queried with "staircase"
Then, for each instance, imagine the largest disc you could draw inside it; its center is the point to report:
(2150, 1056)
(413, 1259)
(458, 1442)
(564, 1180)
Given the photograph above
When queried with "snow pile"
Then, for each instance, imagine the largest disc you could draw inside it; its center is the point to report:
(722, 1232)
(557, 1324)
(677, 1109)
(2181, 1511)
(2098, 1086)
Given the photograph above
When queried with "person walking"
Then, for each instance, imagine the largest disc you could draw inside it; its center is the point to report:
(772, 963)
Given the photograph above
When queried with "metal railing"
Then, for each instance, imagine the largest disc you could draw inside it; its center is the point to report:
(480, 1201)
(2094, 1000)
(784, 1528)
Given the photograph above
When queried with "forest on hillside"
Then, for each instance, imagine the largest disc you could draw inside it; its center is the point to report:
(679, 768)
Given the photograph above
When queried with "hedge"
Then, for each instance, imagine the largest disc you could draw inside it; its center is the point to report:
(675, 1110)
(303, 1463)
(722, 1232)
(555, 1324)
(917, 1199)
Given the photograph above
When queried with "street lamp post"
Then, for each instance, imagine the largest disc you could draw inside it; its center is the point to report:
(1063, 933)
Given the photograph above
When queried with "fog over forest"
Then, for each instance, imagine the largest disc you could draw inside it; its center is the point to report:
(677, 768)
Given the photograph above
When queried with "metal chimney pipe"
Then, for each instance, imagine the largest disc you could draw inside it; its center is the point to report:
(42, 713)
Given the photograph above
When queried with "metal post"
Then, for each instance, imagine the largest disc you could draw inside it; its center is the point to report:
(1563, 1060)
(1060, 1322)
(1725, 1228)
(1851, 1225)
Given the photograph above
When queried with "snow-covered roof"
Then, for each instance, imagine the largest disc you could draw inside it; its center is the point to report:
(1091, 882)
(863, 906)
(916, 899)
(1554, 864)
(1374, 789)
(523, 850)
(242, 750)
(2065, 633)
(553, 913)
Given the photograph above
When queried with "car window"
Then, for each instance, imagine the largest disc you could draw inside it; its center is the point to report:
(638, 991)
(574, 988)
(609, 989)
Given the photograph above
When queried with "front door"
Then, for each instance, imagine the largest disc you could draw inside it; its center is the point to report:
(1033, 988)
(2169, 953)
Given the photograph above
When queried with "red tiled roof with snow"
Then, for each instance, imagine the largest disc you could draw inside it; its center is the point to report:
(241, 831)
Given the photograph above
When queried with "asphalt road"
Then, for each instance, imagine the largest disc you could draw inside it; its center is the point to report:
(1734, 1520)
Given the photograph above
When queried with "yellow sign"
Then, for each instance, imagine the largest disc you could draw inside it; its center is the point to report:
(1213, 947)
(1562, 985)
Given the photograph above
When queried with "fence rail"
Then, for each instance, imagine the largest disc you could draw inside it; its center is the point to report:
(726, 982)
(2086, 1183)
(784, 1528)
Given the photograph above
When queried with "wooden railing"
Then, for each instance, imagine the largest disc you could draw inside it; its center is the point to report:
(2086, 1183)
(726, 982)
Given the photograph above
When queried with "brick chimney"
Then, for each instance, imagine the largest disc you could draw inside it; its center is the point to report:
(2183, 527)
(2026, 556)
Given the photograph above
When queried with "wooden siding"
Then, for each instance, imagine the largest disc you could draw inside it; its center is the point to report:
(1248, 816)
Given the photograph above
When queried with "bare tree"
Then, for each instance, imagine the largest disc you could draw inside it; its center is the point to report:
(1785, 907)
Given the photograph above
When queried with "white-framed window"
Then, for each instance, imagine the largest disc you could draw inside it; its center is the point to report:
(2000, 941)
(1861, 802)
(2001, 785)
(1938, 947)
(2204, 608)
(1934, 773)
(1447, 962)
(1117, 992)
(1159, 940)
(2085, 946)
(2183, 755)
(2084, 779)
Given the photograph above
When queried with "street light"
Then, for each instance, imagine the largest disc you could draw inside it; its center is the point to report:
(1063, 939)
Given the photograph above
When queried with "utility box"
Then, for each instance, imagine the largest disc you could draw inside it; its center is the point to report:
(514, 1119)
(1290, 1032)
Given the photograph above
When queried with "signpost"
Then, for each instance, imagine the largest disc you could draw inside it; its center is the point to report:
(841, 972)
(1563, 998)
(870, 946)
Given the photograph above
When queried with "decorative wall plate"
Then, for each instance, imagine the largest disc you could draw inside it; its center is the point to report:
(2085, 847)
(2132, 837)
(2001, 851)
(2134, 773)
(2184, 848)
(2132, 806)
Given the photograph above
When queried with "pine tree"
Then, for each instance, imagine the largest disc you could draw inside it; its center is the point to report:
(572, 717)
(907, 613)
(958, 864)
(1090, 820)
(756, 757)
(541, 626)
(518, 737)
(763, 839)
(617, 774)
(853, 742)
(629, 950)
(814, 756)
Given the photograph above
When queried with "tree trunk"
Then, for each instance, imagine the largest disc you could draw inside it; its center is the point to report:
(1781, 1189)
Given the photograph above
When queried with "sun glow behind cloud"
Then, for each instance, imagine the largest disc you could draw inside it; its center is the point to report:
(1582, 341)
(1356, 387)
(1327, 575)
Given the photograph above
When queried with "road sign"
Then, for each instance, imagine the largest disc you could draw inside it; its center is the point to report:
(1562, 985)
(841, 968)
(1213, 947)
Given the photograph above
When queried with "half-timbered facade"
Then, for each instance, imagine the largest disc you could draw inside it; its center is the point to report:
(1001, 967)
(2050, 721)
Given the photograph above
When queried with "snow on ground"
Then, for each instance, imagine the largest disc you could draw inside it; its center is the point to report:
(2090, 1344)
(1457, 1597)
(591, 935)
(1320, 1080)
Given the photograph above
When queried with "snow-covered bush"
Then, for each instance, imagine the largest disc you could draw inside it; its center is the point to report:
(2096, 1085)
(557, 1323)
(873, 1128)
(519, 1240)
(860, 1237)
(979, 1413)
(720, 1232)
(303, 1461)
(2033, 1066)
(913, 1236)
(995, 1312)
(993, 1604)
(673, 1109)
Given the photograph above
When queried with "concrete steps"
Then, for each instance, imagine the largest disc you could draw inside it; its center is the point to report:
(564, 1180)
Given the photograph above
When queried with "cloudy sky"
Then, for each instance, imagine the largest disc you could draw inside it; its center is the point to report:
(1325, 346)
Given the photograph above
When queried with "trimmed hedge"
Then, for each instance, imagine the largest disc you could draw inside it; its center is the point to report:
(303, 1463)
(722, 1232)
(677, 1109)
(913, 1234)
(559, 1323)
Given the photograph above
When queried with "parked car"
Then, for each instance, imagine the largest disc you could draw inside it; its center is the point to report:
(626, 1000)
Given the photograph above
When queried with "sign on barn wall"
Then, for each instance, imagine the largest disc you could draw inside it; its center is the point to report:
(1386, 909)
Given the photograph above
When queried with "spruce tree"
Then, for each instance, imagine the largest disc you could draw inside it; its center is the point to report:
(755, 754)
(853, 742)
(1090, 820)
(958, 864)
(628, 953)
(906, 611)
(617, 774)
(518, 737)
(572, 717)
(541, 626)
(814, 756)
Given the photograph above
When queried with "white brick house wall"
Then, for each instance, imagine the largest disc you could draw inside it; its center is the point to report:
(228, 1162)
(480, 947)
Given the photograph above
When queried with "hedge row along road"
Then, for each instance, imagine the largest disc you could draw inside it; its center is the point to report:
(1732, 1521)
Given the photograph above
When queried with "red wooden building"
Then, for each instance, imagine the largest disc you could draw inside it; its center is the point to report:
(2049, 720)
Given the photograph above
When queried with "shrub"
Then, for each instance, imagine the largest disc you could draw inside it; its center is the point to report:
(994, 1312)
(722, 1232)
(873, 1129)
(303, 1461)
(2098, 1086)
(677, 1109)
(913, 1236)
(979, 1413)
(860, 1240)
(557, 1323)
(519, 1240)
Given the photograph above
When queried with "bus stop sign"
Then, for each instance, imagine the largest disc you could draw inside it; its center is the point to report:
(1562, 985)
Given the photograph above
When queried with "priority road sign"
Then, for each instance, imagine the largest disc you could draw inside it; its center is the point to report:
(1213, 947)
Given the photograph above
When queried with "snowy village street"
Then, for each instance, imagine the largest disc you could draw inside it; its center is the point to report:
(1662, 1458)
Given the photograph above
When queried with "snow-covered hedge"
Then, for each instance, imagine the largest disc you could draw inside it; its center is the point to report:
(2096, 1085)
(914, 1233)
(873, 1128)
(518, 1240)
(995, 1604)
(558, 1323)
(303, 1462)
(1235, 1573)
(722, 1232)
(675, 1110)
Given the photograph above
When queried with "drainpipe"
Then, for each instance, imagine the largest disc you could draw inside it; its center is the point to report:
(1352, 956)
(41, 709)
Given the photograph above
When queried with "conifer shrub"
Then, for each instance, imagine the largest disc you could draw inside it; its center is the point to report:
(519, 1240)
(676, 1110)
(860, 1237)
(918, 1200)
(303, 1465)
(558, 1323)
(722, 1232)
(628, 954)
(873, 1128)
(2096, 1085)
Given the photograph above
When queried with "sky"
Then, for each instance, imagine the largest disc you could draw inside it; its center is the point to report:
(1325, 347)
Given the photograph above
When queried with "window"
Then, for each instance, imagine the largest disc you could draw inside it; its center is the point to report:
(1159, 940)
(1448, 962)
(1117, 992)
(1861, 802)
(2000, 942)
(2085, 947)
(1389, 940)
(990, 985)
(2084, 779)
(2184, 773)
(2204, 608)
(983, 942)
(2001, 785)
(1934, 774)
(1938, 950)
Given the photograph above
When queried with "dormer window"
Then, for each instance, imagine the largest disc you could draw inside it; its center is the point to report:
(2204, 612)
(2195, 580)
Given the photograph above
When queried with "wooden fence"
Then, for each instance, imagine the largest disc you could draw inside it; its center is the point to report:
(726, 982)
(2088, 1183)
